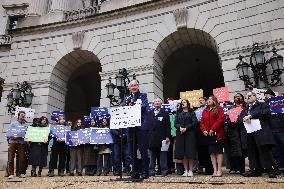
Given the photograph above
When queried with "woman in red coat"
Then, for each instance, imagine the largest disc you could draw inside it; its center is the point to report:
(212, 126)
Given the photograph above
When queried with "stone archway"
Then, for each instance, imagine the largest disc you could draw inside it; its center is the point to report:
(76, 84)
(187, 60)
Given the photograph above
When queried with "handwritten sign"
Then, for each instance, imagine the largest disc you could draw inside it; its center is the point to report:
(192, 97)
(37, 134)
(277, 104)
(30, 113)
(59, 131)
(17, 131)
(126, 116)
(222, 94)
(234, 113)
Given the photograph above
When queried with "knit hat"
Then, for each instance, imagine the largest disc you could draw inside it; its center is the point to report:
(269, 91)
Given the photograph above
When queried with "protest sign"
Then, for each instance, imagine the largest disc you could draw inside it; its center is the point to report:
(101, 136)
(260, 94)
(222, 94)
(79, 137)
(30, 113)
(59, 131)
(98, 111)
(87, 120)
(126, 116)
(234, 113)
(17, 131)
(226, 107)
(166, 107)
(198, 112)
(192, 97)
(55, 115)
(37, 134)
(277, 104)
(72, 138)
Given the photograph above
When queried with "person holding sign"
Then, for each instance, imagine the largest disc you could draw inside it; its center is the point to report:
(186, 137)
(259, 142)
(140, 134)
(277, 128)
(17, 145)
(211, 125)
(38, 150)
(237, 136)
(159, 131)
(76, 153)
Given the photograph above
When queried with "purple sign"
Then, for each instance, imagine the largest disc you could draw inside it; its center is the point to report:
(17, 131)
(101, 136)
(59, 131)
(277, 104)
(55, 115)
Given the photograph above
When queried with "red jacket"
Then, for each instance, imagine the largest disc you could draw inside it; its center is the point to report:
(213, 121)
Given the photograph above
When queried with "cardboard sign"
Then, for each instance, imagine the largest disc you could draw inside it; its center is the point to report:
(30, 113)
(277, 104)
(222, 94)
(124, 117)
(59, 131)
(17, 131)
(192, 97)
(37, 134)
(101, 136)
(234, 113)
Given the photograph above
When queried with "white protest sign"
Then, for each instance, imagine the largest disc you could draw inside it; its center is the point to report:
(126, 116)
(260, 94)
(30, 113)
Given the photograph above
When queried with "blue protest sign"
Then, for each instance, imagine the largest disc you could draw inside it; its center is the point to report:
(98, 111)
(55, 115)
(100, 136)
(59, 131)
(166, 107)
(87, 120)
(198, 112)
(17, 131)
(277, 104)
(226, 108)
(76, 138)
(72, 138)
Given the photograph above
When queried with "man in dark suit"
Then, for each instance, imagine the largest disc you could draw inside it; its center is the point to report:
(159, 130)
(138, 134)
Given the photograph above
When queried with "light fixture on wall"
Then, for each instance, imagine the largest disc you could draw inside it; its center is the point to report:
(259, 65)
(122, 81)
(21, 96)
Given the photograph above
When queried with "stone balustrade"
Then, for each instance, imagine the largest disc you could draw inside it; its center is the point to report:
(82, 13)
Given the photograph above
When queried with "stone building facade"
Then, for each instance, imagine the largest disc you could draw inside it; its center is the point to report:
(68, 49)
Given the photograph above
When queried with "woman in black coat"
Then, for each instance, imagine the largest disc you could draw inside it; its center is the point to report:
(186, 142)
(260, 142)
(38, 150)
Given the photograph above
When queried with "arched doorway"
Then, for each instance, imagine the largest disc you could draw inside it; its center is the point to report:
(77, 74)
(189, 60)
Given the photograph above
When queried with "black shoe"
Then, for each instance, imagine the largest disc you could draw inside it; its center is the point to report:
(272, 174)
(51, 174)
(135, 176)
(71, 174)
(105, 173)
(144, 176)
(33, 174)
(116, 173)
(252, 173)
(39, 173)
(79, 174)
(61, 173)
(99, 173)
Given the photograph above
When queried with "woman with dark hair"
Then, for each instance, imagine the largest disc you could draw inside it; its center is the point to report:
(237, 139)
(185, 146)
(38, 150)
(211, 125)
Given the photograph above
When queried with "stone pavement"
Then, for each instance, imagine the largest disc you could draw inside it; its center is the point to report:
(173, 181)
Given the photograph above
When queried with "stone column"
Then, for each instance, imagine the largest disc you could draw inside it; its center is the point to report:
(37, 7)
(58, 5)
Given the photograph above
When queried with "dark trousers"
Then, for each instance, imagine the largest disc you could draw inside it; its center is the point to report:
(57, 151)
(237, 164)
(90, 170)
(34, 168)
(154, 153)
(278, 150)
(204, 158)
(259, 156)
(76, 159)
(20, 150)
(117, 156)
(141, 141)
(103, 163)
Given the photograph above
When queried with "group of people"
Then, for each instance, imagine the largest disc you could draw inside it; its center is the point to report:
(195, 144)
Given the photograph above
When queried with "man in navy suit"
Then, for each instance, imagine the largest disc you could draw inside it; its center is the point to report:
(139, 134)
(159, 130)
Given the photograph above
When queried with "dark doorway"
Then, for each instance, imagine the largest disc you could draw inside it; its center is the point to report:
(84, 91)
(192, 67)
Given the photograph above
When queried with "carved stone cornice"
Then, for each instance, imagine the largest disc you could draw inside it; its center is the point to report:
(20, 9)
(82, 13)
(181, 16)
(5, 40)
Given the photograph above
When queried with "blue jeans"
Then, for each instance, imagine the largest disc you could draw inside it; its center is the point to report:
(278, 149)
(154, 152)
(116, 156)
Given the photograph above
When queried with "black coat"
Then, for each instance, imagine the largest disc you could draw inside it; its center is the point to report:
(186, 143)
(90, 153)
(261, 111)
(159, 128)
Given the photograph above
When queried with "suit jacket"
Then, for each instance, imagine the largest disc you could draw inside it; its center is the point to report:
(159, 128)
(261, 111)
